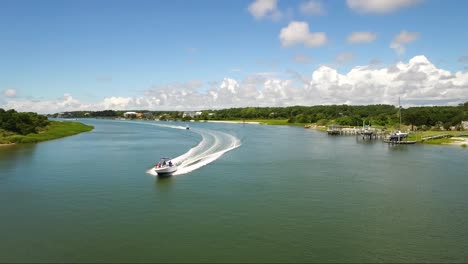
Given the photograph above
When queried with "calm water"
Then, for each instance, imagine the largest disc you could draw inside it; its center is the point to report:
(285, 194)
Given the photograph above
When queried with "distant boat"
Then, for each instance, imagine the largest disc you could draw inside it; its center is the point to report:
(165, 167)
(398, 135)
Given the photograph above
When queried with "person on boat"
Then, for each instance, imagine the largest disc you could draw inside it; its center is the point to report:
(164, 163)
(159, 164)
(170, 163)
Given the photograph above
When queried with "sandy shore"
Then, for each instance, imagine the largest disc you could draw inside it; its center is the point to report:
(459, 141)
(233, 122)
(9, 144)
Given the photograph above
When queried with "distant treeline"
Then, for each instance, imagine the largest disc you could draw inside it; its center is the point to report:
(353, 115)
(21, 123)
(341, 114)
(436, 116)
(346, 115)
(116, 113)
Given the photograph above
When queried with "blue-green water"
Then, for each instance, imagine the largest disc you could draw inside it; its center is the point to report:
(286, 194)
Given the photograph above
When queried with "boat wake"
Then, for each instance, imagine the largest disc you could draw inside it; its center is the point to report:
(212, 146)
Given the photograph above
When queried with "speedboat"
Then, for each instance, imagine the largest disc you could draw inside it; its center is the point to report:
(165, 167)
(398, 135)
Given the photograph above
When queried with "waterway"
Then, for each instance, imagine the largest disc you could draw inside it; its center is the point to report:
(244, 193)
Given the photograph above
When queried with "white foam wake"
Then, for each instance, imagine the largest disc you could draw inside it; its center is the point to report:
(212, 146)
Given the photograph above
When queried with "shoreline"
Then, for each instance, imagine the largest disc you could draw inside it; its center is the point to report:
(55, 130)
(7, 144)
(232, 122)
(458, 141)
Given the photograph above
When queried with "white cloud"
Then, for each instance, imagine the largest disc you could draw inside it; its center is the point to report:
(344, 57)
(380, 6)
(48, 106)
(403, 38)
(361, 37)
(463, 58)
(312, 8)
(298, 33)
(374, 62)
(265, 9)
(302, 58)
(9, 92)
(417, 82)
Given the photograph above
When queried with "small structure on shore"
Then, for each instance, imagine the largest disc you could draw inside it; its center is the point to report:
(464, 125)
(334, 130)
(399, 138)
(367, 133)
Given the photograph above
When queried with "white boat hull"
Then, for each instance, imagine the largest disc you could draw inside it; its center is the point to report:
(166, 170)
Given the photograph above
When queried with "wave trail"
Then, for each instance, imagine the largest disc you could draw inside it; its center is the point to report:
(212, 146)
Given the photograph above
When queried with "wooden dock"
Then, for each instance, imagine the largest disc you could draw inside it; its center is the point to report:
(334, 130)
(366, 134)
(403, 142)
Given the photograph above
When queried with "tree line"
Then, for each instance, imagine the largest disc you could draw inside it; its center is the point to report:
(22, 123)
(345, 115)
(436, 116)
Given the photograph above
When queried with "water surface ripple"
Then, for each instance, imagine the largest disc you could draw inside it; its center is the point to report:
(287, 194)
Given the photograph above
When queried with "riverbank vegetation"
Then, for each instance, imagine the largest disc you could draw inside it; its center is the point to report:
(21, 123)
(438, 137)
(30, 127)
(382, 116)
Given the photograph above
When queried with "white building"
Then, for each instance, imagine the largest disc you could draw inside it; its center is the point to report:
(126, 114)
(191, 113)
(464, 125)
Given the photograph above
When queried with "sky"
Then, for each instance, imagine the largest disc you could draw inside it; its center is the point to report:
(209, 54)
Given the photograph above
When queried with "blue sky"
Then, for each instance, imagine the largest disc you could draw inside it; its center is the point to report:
(69, 55)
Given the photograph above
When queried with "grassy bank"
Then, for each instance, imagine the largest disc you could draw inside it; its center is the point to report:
(54, 130)
(274, 122)
(419, 136)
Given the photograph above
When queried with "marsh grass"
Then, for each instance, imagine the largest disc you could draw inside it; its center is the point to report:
(419, 135)
(439, 141)
(54, 130)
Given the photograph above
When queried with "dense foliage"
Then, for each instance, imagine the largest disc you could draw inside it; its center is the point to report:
(346, 115)
(435, 116)
(21, 123)
(342, 114)
(117, 113)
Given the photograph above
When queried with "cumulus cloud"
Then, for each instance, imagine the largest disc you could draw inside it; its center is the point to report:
(403, 38)
(380, 6)
(361, 37)
(265, 9)
(298, 33)
(9, 92)
(312, 8)
(417, 82)
(66, 102)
